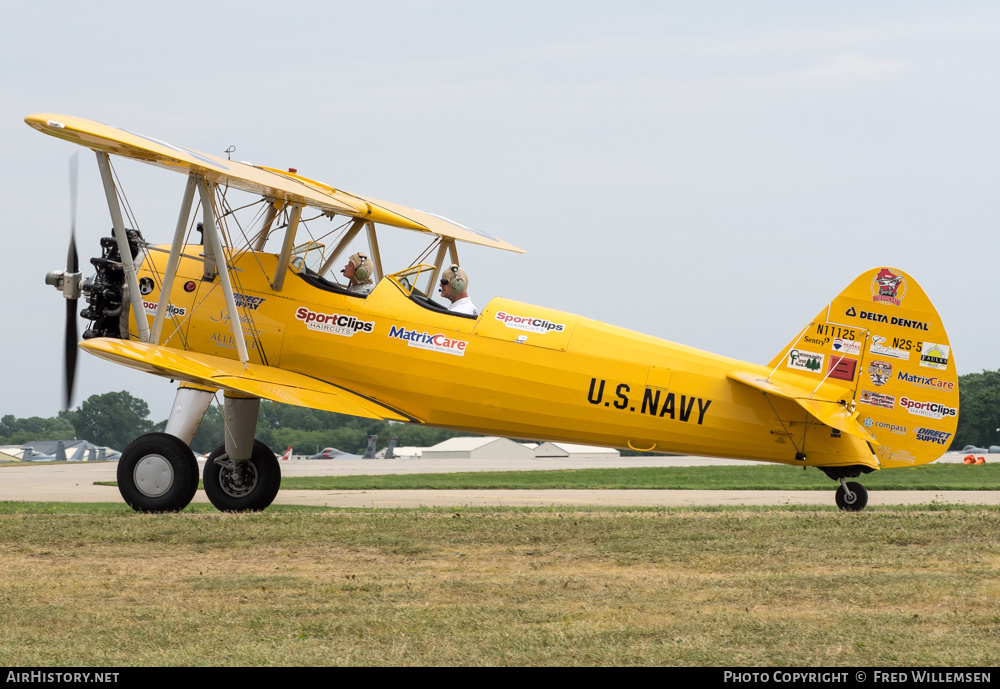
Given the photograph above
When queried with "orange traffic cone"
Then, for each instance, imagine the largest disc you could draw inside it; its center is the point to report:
(969, 459)
(980, 460)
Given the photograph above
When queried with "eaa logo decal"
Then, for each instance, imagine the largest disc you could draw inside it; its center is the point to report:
(880, 372)
(888, 287)
(929, 435)
(805, 361)
(934, 356)
(529, 323)
(333, 323)
(932, 410)
(435, 343)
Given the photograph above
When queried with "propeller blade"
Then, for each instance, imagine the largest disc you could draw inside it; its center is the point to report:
(69, 364)
(72, 266)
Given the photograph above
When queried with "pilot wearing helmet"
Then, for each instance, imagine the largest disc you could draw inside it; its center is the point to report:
(359, 271)
(454, 287)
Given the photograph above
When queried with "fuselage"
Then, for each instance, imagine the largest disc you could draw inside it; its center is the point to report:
(517, 370)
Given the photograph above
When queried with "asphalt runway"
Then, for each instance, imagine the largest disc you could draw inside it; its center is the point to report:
(74, 482)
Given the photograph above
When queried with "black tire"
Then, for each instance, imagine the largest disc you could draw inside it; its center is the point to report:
(858, 499)
(157, 472)
(251, 488)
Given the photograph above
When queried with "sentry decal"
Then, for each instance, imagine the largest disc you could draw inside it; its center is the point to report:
(932, 410)
(842, 346)
(879, 347)
(934, 356)
(333, 323)
(150, 308)
(434, 343)
(929, 435)
(932, 382)
(877, 399)
(805, 361)
(529, 323)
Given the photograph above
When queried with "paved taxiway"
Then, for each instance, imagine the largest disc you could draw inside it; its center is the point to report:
(74, 482)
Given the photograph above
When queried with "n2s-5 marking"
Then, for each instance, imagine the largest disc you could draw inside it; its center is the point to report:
(654, 401)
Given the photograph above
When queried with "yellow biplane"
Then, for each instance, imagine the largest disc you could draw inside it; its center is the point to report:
(868, 383)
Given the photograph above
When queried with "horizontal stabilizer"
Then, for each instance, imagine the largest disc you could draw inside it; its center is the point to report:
(833, 414)
(256, 380)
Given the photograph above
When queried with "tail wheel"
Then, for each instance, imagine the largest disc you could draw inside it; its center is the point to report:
(851, 496)
(157, 472)
(242, 485)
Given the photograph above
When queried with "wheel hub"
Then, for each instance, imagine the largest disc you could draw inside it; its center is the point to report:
(153, 475)
(238, 478)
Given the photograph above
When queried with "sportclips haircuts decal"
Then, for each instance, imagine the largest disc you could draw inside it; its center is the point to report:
(529, 323)
(932, 410)
(434, 343)
(150, 308)
(333, 323)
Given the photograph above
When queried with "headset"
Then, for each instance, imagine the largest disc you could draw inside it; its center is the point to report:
(361, 273)
(457, 283)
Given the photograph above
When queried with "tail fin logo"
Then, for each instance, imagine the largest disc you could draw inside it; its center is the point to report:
(888, 287)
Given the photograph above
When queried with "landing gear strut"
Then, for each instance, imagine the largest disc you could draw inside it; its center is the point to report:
(851, 496)
(242, 485)
(157, 472)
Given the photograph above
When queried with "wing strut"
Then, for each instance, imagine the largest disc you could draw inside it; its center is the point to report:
(376, 256)
(286, 248)
(212, 240)
(339, 249)
(135, 297)
(174, 259)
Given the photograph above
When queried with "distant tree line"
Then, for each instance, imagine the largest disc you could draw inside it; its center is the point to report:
(116, 418)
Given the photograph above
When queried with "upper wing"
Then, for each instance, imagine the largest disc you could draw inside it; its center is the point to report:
(268, 182)
(255, 379)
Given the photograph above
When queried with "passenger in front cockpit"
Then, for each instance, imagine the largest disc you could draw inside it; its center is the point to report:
(359, 271)
(455, 288)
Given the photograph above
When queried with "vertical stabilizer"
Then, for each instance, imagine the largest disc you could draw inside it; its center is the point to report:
(881, 347)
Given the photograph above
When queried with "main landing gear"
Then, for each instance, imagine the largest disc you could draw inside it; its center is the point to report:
(157, 472)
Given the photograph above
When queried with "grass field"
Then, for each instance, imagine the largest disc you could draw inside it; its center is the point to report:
(96, 585)
(751, 477)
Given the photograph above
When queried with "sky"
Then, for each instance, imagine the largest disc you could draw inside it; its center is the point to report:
(712, 173)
